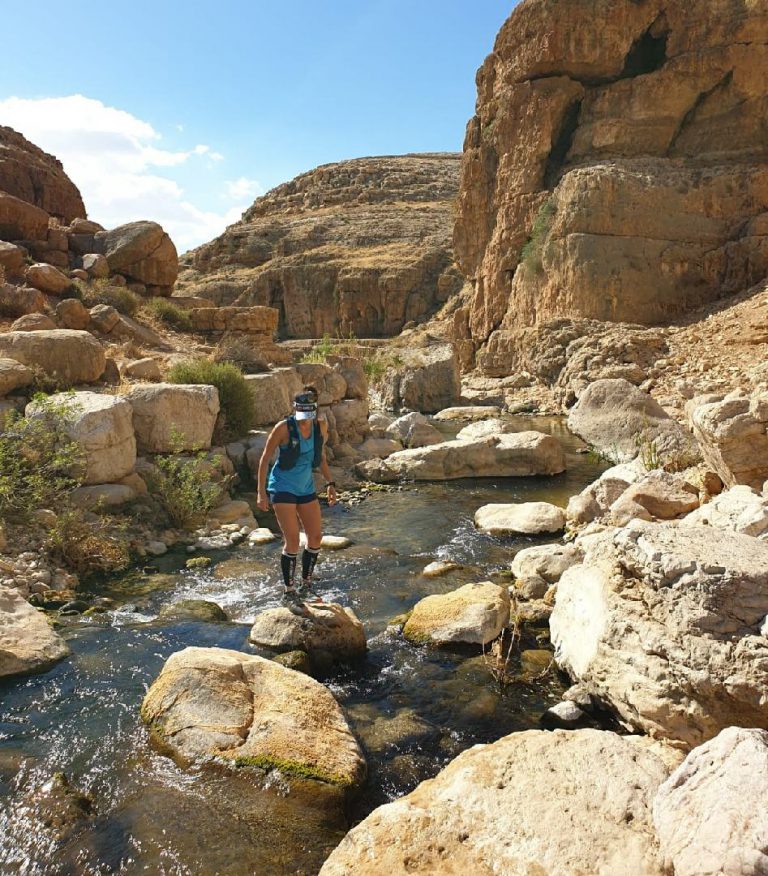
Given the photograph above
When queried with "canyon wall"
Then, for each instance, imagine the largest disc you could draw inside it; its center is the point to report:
(615, 168)
(362, 246)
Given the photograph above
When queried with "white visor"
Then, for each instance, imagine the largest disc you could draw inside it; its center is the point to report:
(305, 415)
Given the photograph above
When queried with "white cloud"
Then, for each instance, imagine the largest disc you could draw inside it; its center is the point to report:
(117, 162)
(242, 188)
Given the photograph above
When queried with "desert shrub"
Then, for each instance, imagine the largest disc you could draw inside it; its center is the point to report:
(320, 352)
(170, 314)
(39, 463)
(236, 400)
(376, 365)
(72, 291)
(183, 486)
(89, 546)
(531, 252)
(100, 292)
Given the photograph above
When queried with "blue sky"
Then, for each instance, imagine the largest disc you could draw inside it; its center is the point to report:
(184, 112)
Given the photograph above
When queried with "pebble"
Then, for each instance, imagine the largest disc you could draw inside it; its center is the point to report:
(565, 714)
(438, 568)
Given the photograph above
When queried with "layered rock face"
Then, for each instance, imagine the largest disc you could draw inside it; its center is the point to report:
(363, 246)
(34, 176)
(615, 167)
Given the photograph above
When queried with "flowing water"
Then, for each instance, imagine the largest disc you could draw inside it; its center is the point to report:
(413, 709)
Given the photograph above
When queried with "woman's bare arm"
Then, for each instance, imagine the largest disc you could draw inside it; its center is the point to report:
(278, 436)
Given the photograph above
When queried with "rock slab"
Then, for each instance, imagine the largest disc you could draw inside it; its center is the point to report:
(215, 703)
(475, 614)
(28, 644)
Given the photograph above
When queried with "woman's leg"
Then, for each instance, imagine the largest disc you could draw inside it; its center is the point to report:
(288, 522)
(312, 521)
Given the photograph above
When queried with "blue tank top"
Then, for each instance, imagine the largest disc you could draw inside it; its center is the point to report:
(299, 479)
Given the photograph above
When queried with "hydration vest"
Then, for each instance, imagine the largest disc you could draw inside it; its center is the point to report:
(289, 453)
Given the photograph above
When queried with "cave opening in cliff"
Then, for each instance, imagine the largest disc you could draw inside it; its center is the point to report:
(562, 144)
(648, 54)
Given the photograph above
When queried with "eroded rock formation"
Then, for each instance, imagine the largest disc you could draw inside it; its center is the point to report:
(34, 176)
(615, 167)
(362, 246)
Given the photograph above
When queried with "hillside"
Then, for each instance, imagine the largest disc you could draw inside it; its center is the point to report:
(362, 247)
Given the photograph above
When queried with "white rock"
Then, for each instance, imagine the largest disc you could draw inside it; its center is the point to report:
(262, 535)
(438, 568)
(27, 642)
(471, 412)
(165, 411)
(566, 803)
(710, 814)
(740, 509)
(324, 626)
(481, 428)
(548, 561)
(529, 518)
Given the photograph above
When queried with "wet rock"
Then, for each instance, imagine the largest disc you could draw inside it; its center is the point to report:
(299, 661)
(530, 518)
(623, 422)
(61, 807)
(381, 733)
(710, 814)
(468, 412)
(211, 702)
(194, 609)
(485, 813)
(520, 455)
(335, 542)
(661, 622)
(438, 568)
(739, 509)
(322, 627)
(475, 614)
(535, 662)
(27, 642)
(262, 535)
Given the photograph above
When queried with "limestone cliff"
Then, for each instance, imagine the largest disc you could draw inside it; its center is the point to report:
(616, 166)
(361, 246)
(34, 176)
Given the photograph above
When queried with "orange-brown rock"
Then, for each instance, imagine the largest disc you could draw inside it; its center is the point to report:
(20, 220)
(36, 177)
(143, 252)
(615, 168)
(249, 320)
(363, 246)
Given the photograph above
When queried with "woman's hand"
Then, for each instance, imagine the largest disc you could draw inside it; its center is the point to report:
(262, 501)
(331, 493)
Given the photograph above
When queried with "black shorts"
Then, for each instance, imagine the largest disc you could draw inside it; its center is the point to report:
(292, 498)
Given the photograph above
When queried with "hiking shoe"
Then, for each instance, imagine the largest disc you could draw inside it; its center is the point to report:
(308, 593)
(292, 601)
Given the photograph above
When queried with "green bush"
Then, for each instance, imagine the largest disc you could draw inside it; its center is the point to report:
(170, 314)
(184, 484)
(532, 250)
(236, 400)
(39, 464)
(89, 546)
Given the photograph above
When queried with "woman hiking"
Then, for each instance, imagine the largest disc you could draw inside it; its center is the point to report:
(301, 441)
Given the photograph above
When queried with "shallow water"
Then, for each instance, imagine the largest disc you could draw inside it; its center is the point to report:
(413, 709)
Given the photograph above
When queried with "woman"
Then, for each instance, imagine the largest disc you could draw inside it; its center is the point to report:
(291, 487)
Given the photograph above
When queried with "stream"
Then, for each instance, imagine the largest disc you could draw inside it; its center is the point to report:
(414, 709)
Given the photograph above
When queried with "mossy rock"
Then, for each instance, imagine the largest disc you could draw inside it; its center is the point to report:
(194, 609)
(296, 660)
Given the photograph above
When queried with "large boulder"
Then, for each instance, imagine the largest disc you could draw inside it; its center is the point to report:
(47, 279)
(211, 702)
(414, 430)
(14, 375)
(550, 804)
(324, 627)
(527, 518)
(20, 220)
(521, 454)
(623, 422)
(662, 622)
(143, 252)
(102, 425)
(168, 417)
(547, 561)
(740, 509)
(657, 495)
(27, 642)
(350, 420)
(475, 614)
(273, 394)
(710, 814)
(70, 356)
(425, 380)
(596, 499)
(733, 435)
